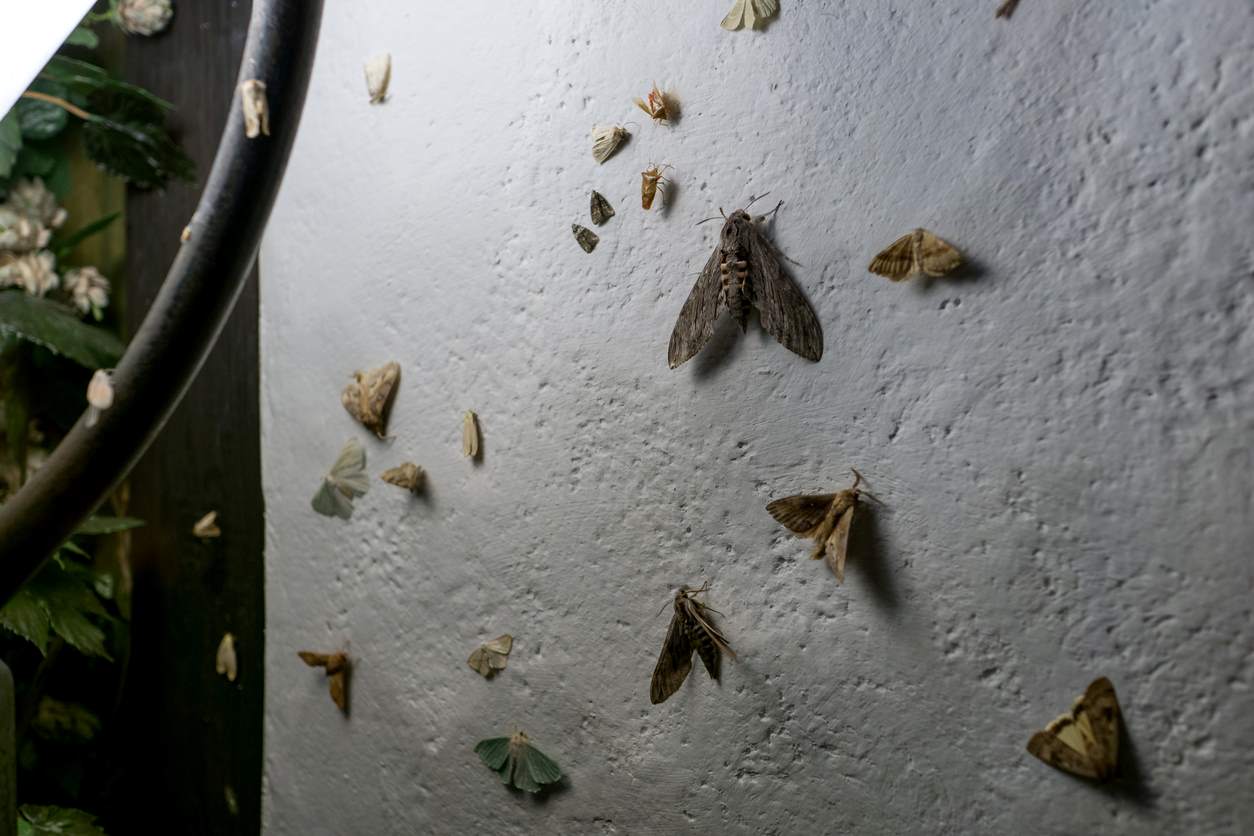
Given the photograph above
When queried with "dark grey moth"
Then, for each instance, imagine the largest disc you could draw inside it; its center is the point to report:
(691, 629)
(745, 271)
(601, 209)
(586, 237)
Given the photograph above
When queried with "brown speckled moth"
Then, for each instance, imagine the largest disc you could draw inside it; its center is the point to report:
(225, 663)
(605, 141)
(490, 657)
(252, 95)
(827, 518)
(586, 238)
(206, 528)
(409, 476)
(691, 629)
(1007, 8)
(1085, 740)
(369, 397)
(470, 434)
(336, 666)
(749, 14)
(651, 181)
(919, 251)
(745, 271)
(600, 209)
(378, 77)
(657, 105)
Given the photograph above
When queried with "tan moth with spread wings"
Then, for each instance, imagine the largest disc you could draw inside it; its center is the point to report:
(920, 251)
(826, 518)
(490, 657)
(1085, 740)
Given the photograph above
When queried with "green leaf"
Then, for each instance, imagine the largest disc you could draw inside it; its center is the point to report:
(86, 77)
(65, 722)
(57, 821)
(34, 162)
(108, 525)
(27, 616)
(69, 242)
(52, 326)
(70, 602)
(142, 153)
(39, 119)
(15, 377)
(82, 36)
(10, 141)
(74, 549)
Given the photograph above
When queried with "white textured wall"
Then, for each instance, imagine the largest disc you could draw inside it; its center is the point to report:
(1062, 441)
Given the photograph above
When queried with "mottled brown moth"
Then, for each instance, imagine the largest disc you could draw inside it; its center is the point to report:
(408, 475)
(336, 666)
(745, 271)
(651, 181)
(1085, 740)
(691, 629)
(657, 105)
(586, 238)
(601, 210)
(827, 518)
(369, 397)
(920, 251)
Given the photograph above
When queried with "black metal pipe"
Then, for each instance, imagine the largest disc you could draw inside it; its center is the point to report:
(188, 314)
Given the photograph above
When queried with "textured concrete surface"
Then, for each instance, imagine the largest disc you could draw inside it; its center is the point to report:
(1061, 439)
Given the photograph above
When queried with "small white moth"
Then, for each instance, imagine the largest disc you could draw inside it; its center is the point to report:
(378, 77)
(252, 96)
(346, 481)
(226, 657)
(99, 395)
(605, 141)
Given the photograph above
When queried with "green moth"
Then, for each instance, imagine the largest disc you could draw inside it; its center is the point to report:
(518, 762)
(346, 481)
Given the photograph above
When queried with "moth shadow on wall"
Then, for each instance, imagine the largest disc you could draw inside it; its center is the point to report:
(546, 792)
(1130, 783)
(720, 350)
(868, 554)
(971, 270)
(668, 198)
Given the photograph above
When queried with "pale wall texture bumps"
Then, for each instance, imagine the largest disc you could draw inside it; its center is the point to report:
(1061, 439)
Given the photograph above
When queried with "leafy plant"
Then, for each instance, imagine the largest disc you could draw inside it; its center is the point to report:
(55, 821)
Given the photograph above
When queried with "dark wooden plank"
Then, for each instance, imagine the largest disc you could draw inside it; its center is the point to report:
(187, 733)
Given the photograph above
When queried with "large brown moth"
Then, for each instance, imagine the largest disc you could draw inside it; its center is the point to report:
(1085, 740)
(490, 657)
(749, 13)
(827, 518)
(745, 271)
(916, 252)
(1007, 9)
(206, 528)
(600, 209)
(586, 238)
(691, 629)
(651, 181)
(336, 666)
(470, 435)
(256, 107)
(408, 475)
(605, 141)
(346, 481)
(657, 105)
(369, 397)
(225, 663)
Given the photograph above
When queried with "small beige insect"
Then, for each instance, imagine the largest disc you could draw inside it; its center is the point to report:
(586, 238)
(252, 95)
(206, 528)
(1085, 740)
(749, 14)
(490, 657)
(470, 434)
(1007, 9)
(369, 397)
(658, 105)
(409, 476)
(600, 209)
(99, 395)
(651, 181)
(605, 141)
(826, 518)
(186, 235)
(336, 666)
(920, 251)
(378, 77)
(226, 663)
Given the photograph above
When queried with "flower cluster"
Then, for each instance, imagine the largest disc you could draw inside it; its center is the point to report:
(143, 17)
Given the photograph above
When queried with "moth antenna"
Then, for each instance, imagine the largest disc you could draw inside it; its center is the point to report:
(773, 211)
(753, 200)
(707, 220)
(857, 478)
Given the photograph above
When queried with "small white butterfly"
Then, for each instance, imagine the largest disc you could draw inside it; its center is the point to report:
(346, 481)
(605, 141)
(749, 13)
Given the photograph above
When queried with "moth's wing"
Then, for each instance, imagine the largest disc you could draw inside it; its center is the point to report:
(313, 660)
(673, 664)
(330, 502)
(600, 209)
(479, 661)
(896, 261)
(707, 651)
(1047, 746)
(937, 256)
(643, 105)
(586, 238)
(782, 307)
(1101, 707)
(838, 544)
(801, 513)
(696, 320)
(380, 385)
(605, 142)
(736, 17)
(349, 471)
(338, 685)
(501, 644)
(764, 8)
(494, 752)
(539, 767)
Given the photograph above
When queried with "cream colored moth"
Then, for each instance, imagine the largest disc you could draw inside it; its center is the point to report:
(470, 434)
(256, 106)
(225, 664)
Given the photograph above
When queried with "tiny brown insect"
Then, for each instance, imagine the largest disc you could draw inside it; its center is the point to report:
(336, 665)
(651, 181)
(657, 105)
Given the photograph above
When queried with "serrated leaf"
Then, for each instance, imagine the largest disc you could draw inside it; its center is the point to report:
(27, 616)
(69, 242)
(10, 142)
(58, 821)
(74, 549)
(86, 78)
(52, 326)
(107, 525)
(139, 152)
(69, 602)
(82, 36)
(66, 722)
(39, 119)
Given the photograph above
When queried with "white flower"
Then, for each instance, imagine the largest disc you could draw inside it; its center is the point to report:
(34, 272)
(19, 233)
(88, 290)
(144, 17)
(37, 202)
